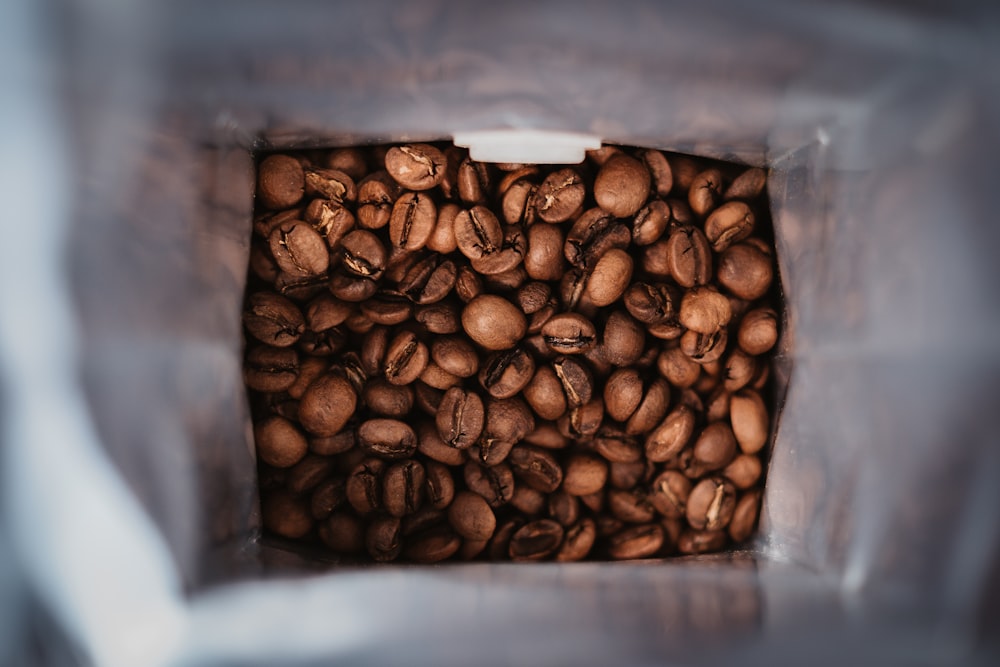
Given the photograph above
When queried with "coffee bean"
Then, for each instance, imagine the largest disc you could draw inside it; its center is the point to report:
(544, 394)
(455, 355)
(659, 168)
(622, 186)
(412, 220)
(651, 408)
(475, 183)
(563, 507)
(578, 541)
(279, 442)
(705, 191)
(439, 318)
(536, 468)
(433, 546)
(704, 348)
(615, 445)
(669, 494)
(688, 256)
(494, 483)
(460, 417)
(559, 195)
(331, 184)
(332, 445)
(731, 222)
(758, 331)
(387, 308)
(631, 506)
(270, 369)
(711, 503)
(585, 474)
(576, 379)
(299, 250)
(610, 277)
(364, 256)
(745, 516)
(548, 436)
(623, 341)
(701, 541)
(280, 182)
(415, 166)
(745, 271)
(651, 303)
(429, 280)
(527, 500)
(331, 220)
(535, 540)
(405, 358)
(327, 497)
(506, 373)
(569, 333)
(383, 539)
(704, 310)
(678, 369)
(478, 232)
(273, 319)
(592, 235)
(440, 486)
(403, 488)
(739, 370)
(750, 421)
(364, 486)
(442, 239)
(636, 542)
(623, 392)
(493, 322)
(471, 516)
(651, 222)
(544, 259)
(344, 533)
(747, 185)
(672, 435)
(431, 445)
(327, 405)
(387, 438)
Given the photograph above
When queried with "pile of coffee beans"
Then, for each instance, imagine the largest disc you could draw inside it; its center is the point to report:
(448, 359)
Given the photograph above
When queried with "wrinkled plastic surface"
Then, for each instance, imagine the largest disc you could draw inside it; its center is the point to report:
(128, 466)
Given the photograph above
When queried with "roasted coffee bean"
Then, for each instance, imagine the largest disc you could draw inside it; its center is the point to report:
(711, 503)
(506, 373)
(280, 182)
(544, 394)
(689, 256)
(363, 254)
(747, 185)
(745, 516)
(651, 303)
(471, 516)
(327, 404)
(585, 474)
(432, 546)
(412, 220)
(299, 250)
(651, 222)
(364, 486)
(383, 539)
(743, 471)
(536, 540)
(731, 222)
(631, 506)
(610, 277)
(534, 296)
(429, 280)
(279, 442)
(739, 370)
(659, 168)
(455, 355)
(527, 500)
(636, 542)
(536, 468)
(416, 166)
(669, 494)
(745, 271)
(343, 532)
(517, 203)
(475, 182)
(623, 340)
(544, 258)
(560, 195)
(403, 488)
(547, 435)
(578, 541)
(623, 392)
(270, 369)
(508, 421)
(705, 192)
(273, 319)
(622, 186)
(387, 308)
(758, 331)
(327, 497)
(440, 486)
(427, 398)
(405, 359)
(376, 195)
(651, 409)
(439, 318)
(435, 376)
(592, 235)
(615, 445)
(584, 421)
(563, 507)
(672, 435)
(715, 447)
(701, 541)
(478, 232)
(704, 348)
(331, 184)
(569, 333)
(576, 379)
(387, 438)
(325, 312)
(460, 417)
(493, 322)
(749, 419)
(705, 310)
(332, 445)
(351, 161)
(331, 220)
(442, 239)
(503, 264)
(285, 514)
(431, 445)
(494, 483)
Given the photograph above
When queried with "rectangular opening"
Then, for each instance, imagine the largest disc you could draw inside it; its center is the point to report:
(456, 360)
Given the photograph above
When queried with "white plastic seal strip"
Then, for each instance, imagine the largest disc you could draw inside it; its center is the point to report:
(527, 146)
(86, 548)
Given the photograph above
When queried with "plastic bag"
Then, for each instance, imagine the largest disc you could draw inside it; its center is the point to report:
(128, 462)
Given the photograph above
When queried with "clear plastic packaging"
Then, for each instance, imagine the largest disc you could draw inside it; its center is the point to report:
(128, 468)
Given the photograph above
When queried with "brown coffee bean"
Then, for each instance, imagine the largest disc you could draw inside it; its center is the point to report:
(364, 486)
(506, 373)
(610, 277)
(455, 355)
(560, 195)
(266, 222)
(563, 507)
(715, 447)
(747, 185)
(672, 435)
(704, 310)
(585, 474)
(711, 503)
(270, 369)
(327, 497)
(576, 379)
(616, 446)
(750, 420)
(332, 445)
(376, 195)
(578, 541)
(738, 371)
(429, 280)
(728, 224)
(628, 475)
(651, 409)
(631, 506)
(307, 473)
(527, 500)
(493, 322)
(594, 501)
(351, 288)
(622, 186)
(432, 546)
(704, 348)
(533, 296)
(460, 417)
(279, 442)
(547, 435)
(651, 303)
(403, 488)
(383, 539)
(330, 184)
(331, 220)
(327, 405)
(413, 218)
(431, 445)
(343, 532)
(439, 318)
(679, 369)
(544, 259)
(405, 359)
(583, 422)
(442, 239)
(475, 182)
(669, 493)
(758, 331)
(536, 468)
(325, 312)
(745, 271)
(298, 249)
(705, 191)
(623, 341)
(273, 319)
(478, 232)
(285, 515)
(659, 168)
(535, 540)
(592, 235)
(363, 255)
(494, 483)
(745, 516)
(427, 398)
(506, 281)
(517, 203)
(280, 182)
(471, 516)
(651, 222)
(744, 471)
(387, 438)
(439, 486)
(688, 256)
(701, 541)
(636, 542)
(508, 421)
(544, 394)
(569, 333)
(416, 166)
(351, 161)
(435, 376)
(387, 308)
(623, 392)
